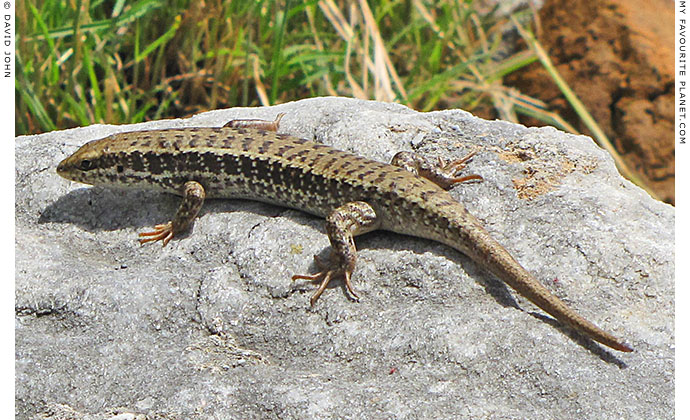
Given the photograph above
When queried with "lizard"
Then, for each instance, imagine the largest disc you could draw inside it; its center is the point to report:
(249, 159)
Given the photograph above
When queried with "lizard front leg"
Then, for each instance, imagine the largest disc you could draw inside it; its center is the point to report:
(342, 225)
(193, 196)
(441, 173)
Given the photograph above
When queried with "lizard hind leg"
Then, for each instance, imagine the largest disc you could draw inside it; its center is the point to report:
(342, 225)
(440, 173)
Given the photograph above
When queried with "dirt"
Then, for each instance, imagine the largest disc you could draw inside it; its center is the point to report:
(618, 58)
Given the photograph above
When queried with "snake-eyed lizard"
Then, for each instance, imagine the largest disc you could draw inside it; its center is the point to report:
(248, 159)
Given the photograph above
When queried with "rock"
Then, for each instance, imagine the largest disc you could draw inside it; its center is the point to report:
(212, 325)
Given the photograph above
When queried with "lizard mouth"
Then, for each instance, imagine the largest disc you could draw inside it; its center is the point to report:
(69, 169)
(62, 169)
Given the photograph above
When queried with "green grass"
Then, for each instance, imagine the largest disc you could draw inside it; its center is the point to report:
(94, 61)
(125, 62)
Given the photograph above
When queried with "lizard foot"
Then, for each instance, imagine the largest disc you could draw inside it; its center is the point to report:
(452, 169)
(324, 276)
(442, 173)
(162, 232)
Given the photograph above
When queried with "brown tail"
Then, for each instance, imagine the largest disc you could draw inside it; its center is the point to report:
(493, 256)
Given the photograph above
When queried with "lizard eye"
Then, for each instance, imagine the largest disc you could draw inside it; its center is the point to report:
(86, 165)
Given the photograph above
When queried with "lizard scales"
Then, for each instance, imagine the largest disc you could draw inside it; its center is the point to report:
(356, 195)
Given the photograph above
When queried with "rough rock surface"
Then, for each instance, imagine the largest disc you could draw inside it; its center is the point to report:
(212, 327)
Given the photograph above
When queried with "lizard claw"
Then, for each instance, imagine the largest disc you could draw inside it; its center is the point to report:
(453, 168)
(325, 276)
(162, 232)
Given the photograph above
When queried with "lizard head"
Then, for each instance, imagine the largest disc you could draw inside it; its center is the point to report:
(87, 165)
(110, 161)
(143, 159)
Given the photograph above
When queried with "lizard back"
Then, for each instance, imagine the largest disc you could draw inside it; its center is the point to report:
(264, 166)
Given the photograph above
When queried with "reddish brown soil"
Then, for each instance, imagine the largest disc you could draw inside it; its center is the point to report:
(617, 55)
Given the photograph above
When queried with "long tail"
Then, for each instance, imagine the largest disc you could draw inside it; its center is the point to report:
(498, 260)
